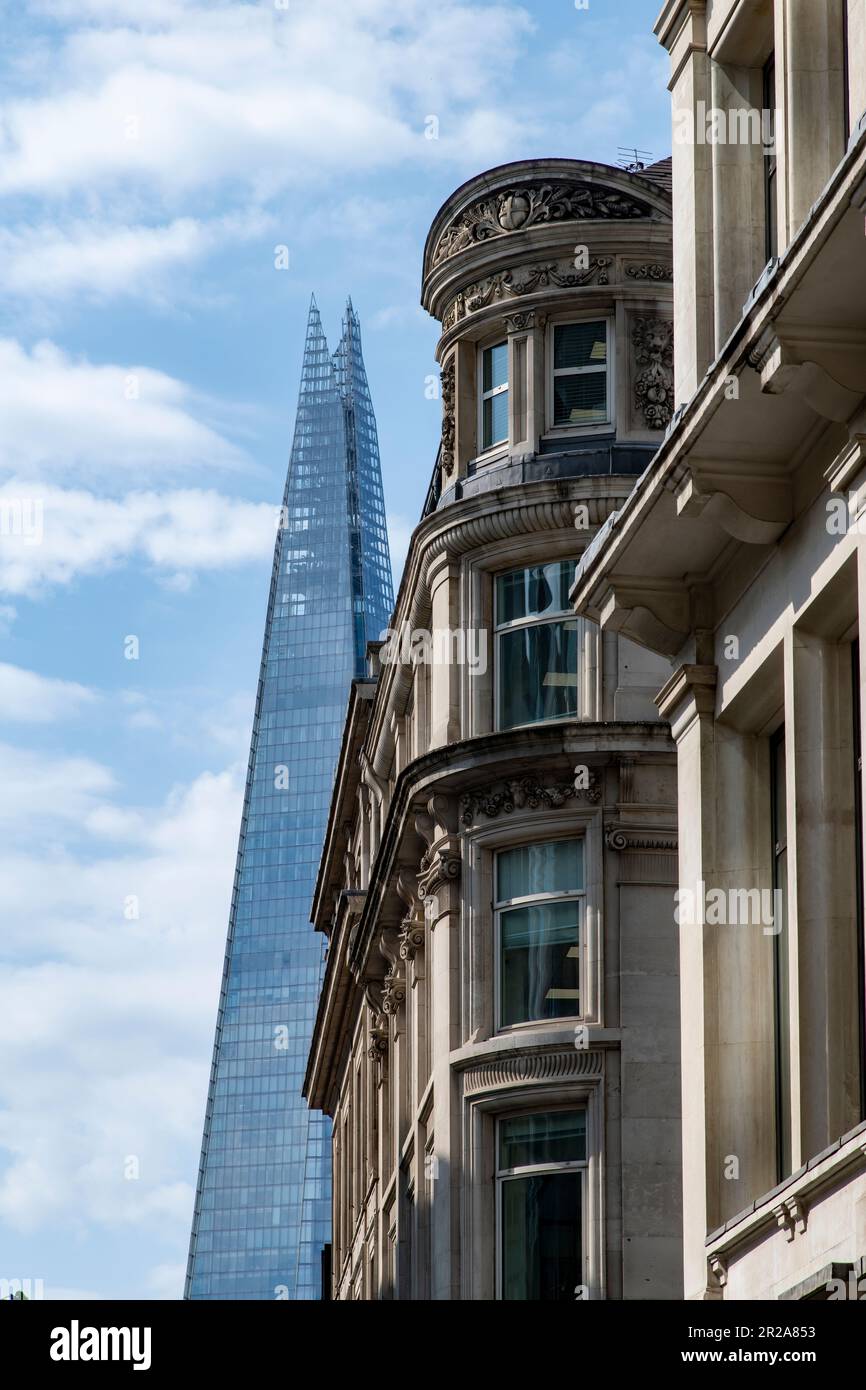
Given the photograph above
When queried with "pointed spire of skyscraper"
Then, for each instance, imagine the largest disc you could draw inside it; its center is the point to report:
(262, 1209)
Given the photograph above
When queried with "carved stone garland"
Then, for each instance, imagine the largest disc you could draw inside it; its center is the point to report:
(516, 208)
(653, 341)
(511, 284)
(447, 378)
(523, 792)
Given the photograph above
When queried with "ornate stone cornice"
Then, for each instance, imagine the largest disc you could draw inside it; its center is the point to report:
(528, 204)
(523, 793)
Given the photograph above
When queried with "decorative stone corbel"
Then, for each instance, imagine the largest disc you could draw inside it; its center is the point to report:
(718, 1266)
(379, 1035)
(783, 367)
(413, 927)
(848, 463)
(791, 1217)
(654, 612)
(394, 984)
(753, 508)
(798, 1214)
(441, 863)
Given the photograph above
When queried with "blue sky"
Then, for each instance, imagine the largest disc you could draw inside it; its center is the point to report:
(153, 154)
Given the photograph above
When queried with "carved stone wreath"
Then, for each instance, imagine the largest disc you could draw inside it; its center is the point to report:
(516, 208)
(650, 271)
(653, 341)
(520, 793)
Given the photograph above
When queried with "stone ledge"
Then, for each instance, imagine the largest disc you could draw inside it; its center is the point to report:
(809, 1182)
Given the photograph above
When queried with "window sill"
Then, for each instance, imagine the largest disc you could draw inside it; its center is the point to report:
(532, 1036)
(580, 431)
(496, 454)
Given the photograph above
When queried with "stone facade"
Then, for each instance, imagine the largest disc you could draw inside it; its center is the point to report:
(536, 271)
(740, 556)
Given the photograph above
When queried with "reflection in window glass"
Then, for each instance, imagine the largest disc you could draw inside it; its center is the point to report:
(539, 942)
(541, 1166)
(494, 396)
(580, 386)
(537, 660)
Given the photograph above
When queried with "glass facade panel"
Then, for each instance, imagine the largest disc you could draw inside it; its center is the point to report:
(540, 962)
(537, 673)
(553, 866)
(494, 395)
(556, 1136)
(541, 1212)
(262, 1208)
(580, 400)
(537, 676)
(580, 385)
(534, 593)
(542, 1237)
(539, 944)
(495, 419)
(579, 345)
(496, 366)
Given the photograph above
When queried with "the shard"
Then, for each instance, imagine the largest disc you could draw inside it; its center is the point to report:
(262, 1208)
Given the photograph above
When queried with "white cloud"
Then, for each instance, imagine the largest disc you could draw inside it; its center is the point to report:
(182, 531)
(105, 1024)
(38, 789)
(47, 259)
(62, 414)
(29, 698)
(184, 96)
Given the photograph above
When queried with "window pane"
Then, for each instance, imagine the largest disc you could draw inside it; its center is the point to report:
(495, 420)
(539, 962)
(555, 866)
(495, 366)
(554, 1136)
(537, 673)
(541, 1237)
(533, 592)
(580, 400)
(580, 345)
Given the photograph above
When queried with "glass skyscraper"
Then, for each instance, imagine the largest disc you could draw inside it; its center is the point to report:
(262, 1208)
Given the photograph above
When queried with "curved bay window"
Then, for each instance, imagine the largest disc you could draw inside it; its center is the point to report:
(539, 916)
(540, 1176)
(536, 645)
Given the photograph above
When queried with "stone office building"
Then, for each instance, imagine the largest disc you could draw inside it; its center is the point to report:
(740, 556)
(497, 1038)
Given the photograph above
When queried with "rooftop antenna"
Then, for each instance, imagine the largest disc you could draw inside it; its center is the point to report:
(633, 160)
